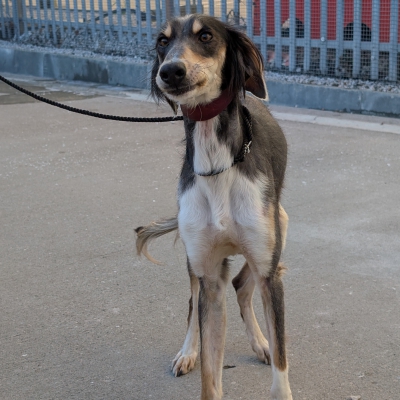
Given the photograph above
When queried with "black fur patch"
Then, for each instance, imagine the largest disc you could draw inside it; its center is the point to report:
(275, 287)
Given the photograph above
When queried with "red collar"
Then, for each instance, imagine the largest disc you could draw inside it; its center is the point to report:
(204, 112)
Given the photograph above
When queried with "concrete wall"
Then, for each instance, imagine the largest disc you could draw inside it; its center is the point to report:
(69, 67)
(107, 71)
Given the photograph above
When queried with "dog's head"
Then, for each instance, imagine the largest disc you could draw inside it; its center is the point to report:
(199, 56)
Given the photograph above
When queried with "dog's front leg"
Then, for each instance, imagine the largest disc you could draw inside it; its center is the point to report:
(185, 359)
(212, 319)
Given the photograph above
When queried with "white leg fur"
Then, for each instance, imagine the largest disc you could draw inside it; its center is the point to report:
(185, 359)
(280, 389)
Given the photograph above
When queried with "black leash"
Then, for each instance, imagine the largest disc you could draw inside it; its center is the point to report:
(239, 158)
(86, 112)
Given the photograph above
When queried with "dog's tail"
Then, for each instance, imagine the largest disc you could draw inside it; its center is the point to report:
(147, 233)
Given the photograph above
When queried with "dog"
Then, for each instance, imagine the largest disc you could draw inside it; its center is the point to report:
(228, 194)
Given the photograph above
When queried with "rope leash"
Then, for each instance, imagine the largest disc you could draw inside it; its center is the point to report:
(86, 112)
(239, 158)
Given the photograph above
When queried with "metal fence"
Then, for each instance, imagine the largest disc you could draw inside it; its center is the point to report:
(342, 38)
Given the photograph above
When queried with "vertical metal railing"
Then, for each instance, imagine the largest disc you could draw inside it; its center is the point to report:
(53, 21)
(278, 39)
(339, 31)
(211, 6)
(315, 41)
(110, 18)
(119, 20)
(307, 35)
(148, 23)
(139, 21)
(324, 36)
(263, 30)
(394, 46)
(2, 20)
(76, 17)
(292, 35)
(128, 17)
(357, 38)
(223, 10)
(92, 19)
(375, 39)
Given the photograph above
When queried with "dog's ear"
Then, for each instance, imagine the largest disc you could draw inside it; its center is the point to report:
(244, 65)
(156, 92)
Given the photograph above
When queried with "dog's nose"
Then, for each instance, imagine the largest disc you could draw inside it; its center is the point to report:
(173, 73)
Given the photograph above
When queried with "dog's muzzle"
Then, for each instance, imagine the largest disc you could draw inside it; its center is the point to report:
(173, 73)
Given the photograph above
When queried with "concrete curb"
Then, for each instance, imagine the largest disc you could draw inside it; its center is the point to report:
(98, 69)
(334, 99)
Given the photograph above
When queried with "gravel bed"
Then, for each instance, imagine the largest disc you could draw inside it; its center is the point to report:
(342, 83)
(104, 48)
(130, 51)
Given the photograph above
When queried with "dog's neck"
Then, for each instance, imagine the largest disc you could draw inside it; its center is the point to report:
(213, 146)
(204, 112)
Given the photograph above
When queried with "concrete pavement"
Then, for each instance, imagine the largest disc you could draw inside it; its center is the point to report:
(83, 318)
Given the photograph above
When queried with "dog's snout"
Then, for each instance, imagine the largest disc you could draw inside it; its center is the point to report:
(173, 73)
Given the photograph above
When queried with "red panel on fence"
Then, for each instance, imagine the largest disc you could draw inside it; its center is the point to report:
(384, 34)
(348, 17)
(332, 20)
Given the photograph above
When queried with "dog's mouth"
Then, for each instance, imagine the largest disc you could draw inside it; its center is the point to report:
(183, 89)
(178, 91)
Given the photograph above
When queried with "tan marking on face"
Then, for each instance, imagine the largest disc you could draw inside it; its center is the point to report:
(168, 31)
(197, 25)
(193, 58)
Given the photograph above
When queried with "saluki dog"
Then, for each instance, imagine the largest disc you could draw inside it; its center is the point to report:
(229, 192)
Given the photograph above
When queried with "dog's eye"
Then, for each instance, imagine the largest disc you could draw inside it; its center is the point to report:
(205, 37)
(163, 41)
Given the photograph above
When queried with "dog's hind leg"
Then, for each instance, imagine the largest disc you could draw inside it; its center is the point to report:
(185, 359)
(212, 317)
(267, 272)
(271, 289)
(244, 285)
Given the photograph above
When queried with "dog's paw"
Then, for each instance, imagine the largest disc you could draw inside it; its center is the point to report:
(288, 397)
(261, 348)
(282, 396)
(183, 363)
(280, 389)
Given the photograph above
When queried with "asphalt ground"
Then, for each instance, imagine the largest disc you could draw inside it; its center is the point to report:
(82, 317)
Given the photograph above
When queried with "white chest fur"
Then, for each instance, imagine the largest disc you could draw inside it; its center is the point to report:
(220, 215)
(210, 154)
